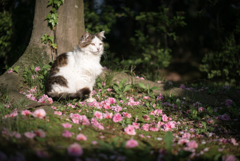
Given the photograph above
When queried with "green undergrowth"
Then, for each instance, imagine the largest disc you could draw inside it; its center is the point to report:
(213, 135)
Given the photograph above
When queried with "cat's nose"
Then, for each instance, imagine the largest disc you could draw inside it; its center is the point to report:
(98, 49)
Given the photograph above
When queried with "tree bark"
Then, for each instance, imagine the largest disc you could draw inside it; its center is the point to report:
(67, 35)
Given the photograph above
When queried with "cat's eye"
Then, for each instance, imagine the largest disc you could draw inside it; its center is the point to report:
(92, 44)
(100, 43)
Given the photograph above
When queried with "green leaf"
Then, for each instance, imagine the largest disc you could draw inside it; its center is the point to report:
(204, 124)
(141, 85)
(15, 69)
(53, 45)
(216, 158)
(178, 102)
(41, 77)
(168, 141)
(50, 2)
(99, 85)
(115, 88)
(128, 87)
(46, 66)
(154, 88)
(51, 38)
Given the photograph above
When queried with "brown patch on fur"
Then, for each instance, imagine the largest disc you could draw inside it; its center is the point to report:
(84, 92)
(88, 40)
(60, 61)
(56, 79)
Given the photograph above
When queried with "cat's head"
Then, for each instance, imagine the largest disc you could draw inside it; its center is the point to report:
(92, 42)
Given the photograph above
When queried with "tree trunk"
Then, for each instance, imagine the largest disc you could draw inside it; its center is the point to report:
(67, 35)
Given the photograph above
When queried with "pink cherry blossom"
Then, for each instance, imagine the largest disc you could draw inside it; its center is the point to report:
(164, 118)
(127, 115)
(13, 114)
(67, 134)
(40, 113)
(145, 127)
(37, 69)
(94, 142)
(75, 150)
(225, 117)
(146, 117)
(58, 113)
(75, 120)
(200, 109)
(10, 71)
(81, 137)
(107, 106)
(160, 97)
(186, 136)
(131, 143)
(154, 128)
(117, 117)
(107, 115)
(16, 135)
(228, 158)
(111, 100)
(130, 130)
(26, 112)
(136, 125)
(40, 133)
(182, 86)
(146, 97)
(98, 115)
(30, 135)
(85, 120)
(183, 141)
(228, 102)
(192, 144)
(117, 108)
(96, 124)
(109, 89)
(66, 125)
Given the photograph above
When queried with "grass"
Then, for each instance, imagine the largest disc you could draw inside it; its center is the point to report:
(215, 137)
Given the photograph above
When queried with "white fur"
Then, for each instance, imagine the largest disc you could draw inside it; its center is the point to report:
(82, 69)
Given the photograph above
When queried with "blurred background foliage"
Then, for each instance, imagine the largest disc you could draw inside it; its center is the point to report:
(179, 40)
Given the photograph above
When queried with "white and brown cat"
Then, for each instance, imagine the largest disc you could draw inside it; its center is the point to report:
(73, 74)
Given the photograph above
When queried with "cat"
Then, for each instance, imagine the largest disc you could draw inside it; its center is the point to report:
(73, 74)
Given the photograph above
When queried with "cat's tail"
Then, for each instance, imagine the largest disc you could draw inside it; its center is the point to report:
(82, 93)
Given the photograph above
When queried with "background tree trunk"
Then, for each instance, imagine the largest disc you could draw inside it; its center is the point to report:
(67, 35)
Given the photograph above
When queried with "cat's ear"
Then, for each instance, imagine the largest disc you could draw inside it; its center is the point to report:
(100, 35)
(85, 36)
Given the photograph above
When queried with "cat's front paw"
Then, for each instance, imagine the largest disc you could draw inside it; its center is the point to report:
(90, 100)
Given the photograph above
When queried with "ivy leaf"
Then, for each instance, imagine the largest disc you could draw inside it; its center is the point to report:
(53, 10)
(50, 2)
(52, 22)
(54, 45)
(51, 38)
(141, 85)
(15, 69)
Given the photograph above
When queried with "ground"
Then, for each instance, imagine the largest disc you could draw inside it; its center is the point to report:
(132, 119)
